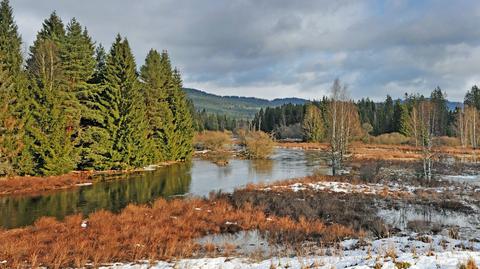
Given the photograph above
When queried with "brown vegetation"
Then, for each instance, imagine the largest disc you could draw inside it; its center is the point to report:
(27, 185)
(30, 185)
(258, 145)
(165, 230)
(470, 264)
(390, 152)
(389, 139)
(213, 140)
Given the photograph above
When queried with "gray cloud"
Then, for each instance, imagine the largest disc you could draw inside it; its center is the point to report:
(277, 48)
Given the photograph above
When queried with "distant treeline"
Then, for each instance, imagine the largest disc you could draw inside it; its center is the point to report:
(71, 105)
(204, 121)
(376, 118)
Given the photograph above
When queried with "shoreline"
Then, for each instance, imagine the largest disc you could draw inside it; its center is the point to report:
(36, 185)
(360, 152)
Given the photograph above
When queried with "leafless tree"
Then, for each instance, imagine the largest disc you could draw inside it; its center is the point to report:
(421, 123)
(468, 123)
(343, 123)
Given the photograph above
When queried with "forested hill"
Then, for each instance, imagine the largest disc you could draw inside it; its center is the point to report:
(235, 106)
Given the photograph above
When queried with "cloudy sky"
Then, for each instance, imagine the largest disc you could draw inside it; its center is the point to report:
(280, 48)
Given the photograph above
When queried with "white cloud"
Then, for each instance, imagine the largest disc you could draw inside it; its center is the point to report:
(279, 48)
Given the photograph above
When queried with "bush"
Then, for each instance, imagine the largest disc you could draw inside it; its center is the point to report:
(390, 139)
(258, 145)
(213, 140)
(447, 141)
(469, 265)
(293, 131)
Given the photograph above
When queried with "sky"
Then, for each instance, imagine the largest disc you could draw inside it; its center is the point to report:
(284, 48)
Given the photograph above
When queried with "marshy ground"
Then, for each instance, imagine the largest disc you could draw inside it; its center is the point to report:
(382, 215)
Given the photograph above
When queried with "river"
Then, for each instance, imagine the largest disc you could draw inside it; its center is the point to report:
(197, 178)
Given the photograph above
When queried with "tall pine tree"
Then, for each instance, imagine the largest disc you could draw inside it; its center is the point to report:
(49, 132)
(12, 92)
(122, 129)
(156, 77)
(183, 121)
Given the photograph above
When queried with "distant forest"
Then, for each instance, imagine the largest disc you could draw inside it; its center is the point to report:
(377, 118)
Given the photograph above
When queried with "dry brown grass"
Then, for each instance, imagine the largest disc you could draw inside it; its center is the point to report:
(361, 151)
(165, 230)
(21, 185)
(30, 185)
(390, 139)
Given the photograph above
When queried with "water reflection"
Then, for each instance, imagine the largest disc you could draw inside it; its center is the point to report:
(262, 167)
(197, 178)
(111, 195)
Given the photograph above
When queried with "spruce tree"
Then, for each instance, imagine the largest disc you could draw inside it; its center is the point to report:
(12, 92)
(49, 141)
(155, 76)
(9, 146)
(397, 116)
(49, 145)
(78, 58)
(122, 127)
(100, 68)
(472, 98)
(183, 121)
(10, 41)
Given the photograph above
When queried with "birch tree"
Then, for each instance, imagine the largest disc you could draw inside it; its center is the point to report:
(421, 123)
(343, 123)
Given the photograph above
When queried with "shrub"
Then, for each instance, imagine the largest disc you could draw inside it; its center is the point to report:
(390, 139)
(469, 265)
(258, 145)
(293, 131)
(213, 140)
(447, 141)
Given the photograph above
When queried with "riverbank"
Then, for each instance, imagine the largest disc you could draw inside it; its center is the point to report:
(367, 152)
(30, 185)
(331, 220)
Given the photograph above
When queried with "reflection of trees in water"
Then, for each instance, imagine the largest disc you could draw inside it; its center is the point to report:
(316, 157)
(224, 171)
(114, 195)
(264, 167)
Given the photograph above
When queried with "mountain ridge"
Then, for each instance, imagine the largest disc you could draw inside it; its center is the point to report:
(235, 106)
(246, 107)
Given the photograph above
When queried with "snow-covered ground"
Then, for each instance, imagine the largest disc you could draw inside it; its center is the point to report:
(345, 187)
(426, 252)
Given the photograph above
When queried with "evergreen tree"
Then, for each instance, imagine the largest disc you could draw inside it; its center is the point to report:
(48, 140)
(181, 148)
(10, 41)
(12, 95)
(472, 98)
(440, 110)
(52, 30)
(49, 130)
(100, 65)
(123, 131)
(397, 116)
(169, 112)
(10, 129)
(78, 65)
(156, 74)
(387, 119)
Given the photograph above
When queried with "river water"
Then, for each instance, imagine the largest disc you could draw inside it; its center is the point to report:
(197, 178)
